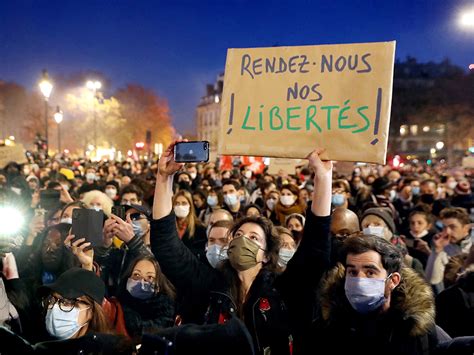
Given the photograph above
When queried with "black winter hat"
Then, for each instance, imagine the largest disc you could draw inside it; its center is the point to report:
(77, 282)
(382, 213)
(381, 184)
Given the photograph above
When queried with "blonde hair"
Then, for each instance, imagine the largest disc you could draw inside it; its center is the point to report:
(105, 200)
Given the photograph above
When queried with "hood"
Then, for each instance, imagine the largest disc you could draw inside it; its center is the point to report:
(413, 300)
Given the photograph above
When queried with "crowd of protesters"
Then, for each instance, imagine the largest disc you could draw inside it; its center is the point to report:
(209, 260)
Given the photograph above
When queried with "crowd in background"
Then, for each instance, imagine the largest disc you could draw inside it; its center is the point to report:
(235, 261)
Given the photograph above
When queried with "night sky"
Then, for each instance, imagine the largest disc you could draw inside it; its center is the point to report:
(176, 47)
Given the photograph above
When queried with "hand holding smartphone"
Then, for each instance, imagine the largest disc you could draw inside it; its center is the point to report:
(191, 152)
(88, 224)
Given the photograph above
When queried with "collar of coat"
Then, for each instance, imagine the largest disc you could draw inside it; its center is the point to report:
(412, 301)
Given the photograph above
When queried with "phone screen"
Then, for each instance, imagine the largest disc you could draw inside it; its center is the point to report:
(88, 224)
(189, 152)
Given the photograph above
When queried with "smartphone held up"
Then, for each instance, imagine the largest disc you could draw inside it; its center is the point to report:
(191, 152)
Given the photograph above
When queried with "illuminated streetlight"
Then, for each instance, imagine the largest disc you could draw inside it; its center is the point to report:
(46, 87)
(440, 145)
(467, 19)
(58, 117)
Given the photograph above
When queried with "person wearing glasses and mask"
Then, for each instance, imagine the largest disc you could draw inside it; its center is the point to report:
(75, 319)
(246, 285)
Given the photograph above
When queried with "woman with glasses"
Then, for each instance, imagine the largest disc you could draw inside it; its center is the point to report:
(147, 298)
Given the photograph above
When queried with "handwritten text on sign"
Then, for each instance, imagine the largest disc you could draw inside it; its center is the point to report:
(284, 101)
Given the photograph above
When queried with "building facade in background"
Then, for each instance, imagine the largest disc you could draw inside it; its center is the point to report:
(208, 114)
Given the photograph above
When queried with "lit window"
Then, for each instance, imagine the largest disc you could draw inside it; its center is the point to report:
(414, 129)
(403, 130)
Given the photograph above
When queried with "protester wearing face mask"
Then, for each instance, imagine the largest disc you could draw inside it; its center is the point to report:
(111, 190)
(131, 195)
(232, 203)
(246, 285)
(214, 202)
(97, 200)
(218, 239)
(404, 202)
(419, 239)
(200, 204)
(190, 229)
(287, 247)
(378, 222)
(146, 297)
(340, 194)
(289, 203)
(383, 195)
(114, 258)
(75, 319)
(271, 200)
(372, 304)
(295, 224)
(247, 181)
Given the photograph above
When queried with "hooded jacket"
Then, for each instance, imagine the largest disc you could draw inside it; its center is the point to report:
(408, 327)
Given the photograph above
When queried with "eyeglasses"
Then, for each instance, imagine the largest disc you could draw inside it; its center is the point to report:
(65, 304)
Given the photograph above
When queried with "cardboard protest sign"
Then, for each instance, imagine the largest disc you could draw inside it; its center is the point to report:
(285, 101)
(286, 165)
(12, 153)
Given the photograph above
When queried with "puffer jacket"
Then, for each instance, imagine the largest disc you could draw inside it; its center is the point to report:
(408, 327)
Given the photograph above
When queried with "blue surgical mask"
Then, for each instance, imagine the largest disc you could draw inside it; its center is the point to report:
(215, 254)
(231, 199)
(63, 325)
(140, 289)
(415, 190)
(338, 200)
(137, 228)
(212, 201)
(365, 294)
(285, 255)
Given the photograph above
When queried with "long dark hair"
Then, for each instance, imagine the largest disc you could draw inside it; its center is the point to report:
(273, 246)
(162, 284)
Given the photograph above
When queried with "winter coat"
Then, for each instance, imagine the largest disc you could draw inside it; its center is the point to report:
(408, 327)
(455, 307)
(89, 344)
(196, 244)
(145, 316)
(113, 261)
(274, 302)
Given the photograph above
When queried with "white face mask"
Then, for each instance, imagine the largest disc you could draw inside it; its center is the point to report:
(271, 202)
(112, 193)
(374, 230)
(393, 195)
(215, 254)
(181, 211)
(66, 220)
(248, 174)
(63, 325)
(65, 187)
(193, 175)
(452, 184)
(287, 200)
(90, 176)
(285, 255)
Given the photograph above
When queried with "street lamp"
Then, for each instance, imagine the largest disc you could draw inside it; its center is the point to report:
(94, 86)
(467, 19)
(58, 117)
(46, 87)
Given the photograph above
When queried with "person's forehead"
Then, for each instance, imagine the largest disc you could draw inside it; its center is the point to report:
(252, 228)
(370, 257)
(218, 232)
(181, 199)
(294, 220)
(451, 222)
(129, 195)
(228, 187)
(373, 219)
(144, 266)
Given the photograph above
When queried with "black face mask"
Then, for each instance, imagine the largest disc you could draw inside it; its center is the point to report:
(427, 198)
(297, 235)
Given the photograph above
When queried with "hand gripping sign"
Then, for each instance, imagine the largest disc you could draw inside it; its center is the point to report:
(284, 101)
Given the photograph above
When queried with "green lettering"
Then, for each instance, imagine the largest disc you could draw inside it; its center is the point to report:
(275, 111)
(329, 108)
(341, 117)
(366, 127)
(260, 118)
(309, 118)
(244, 125)
(289, 117)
